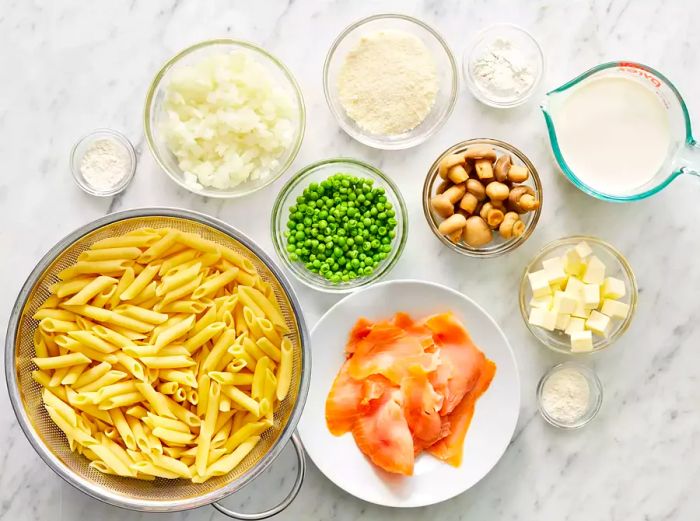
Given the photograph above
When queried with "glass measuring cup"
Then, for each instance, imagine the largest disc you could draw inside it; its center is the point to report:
(683, 156)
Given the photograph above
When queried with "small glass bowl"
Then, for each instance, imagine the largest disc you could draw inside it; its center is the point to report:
(153, 112)
(523, 40)
(498, 246)
(446, 68)
(79, 149)
(315, 173)
(616, 266)
(594, 402)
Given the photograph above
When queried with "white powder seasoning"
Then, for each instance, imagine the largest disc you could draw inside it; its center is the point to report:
(105, 164)
(388, 82)
(503, 70)
(566, 395)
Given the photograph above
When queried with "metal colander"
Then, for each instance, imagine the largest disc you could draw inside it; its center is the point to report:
(50, 442)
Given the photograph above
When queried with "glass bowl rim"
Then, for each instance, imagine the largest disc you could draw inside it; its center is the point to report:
(506, 246)
(296, 180)
(626, 268)
(364, 137)
(170, 63)
(590, 376)
(471, 84)
(92, 136)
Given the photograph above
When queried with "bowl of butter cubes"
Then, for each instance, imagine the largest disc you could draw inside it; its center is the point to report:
(578, 295)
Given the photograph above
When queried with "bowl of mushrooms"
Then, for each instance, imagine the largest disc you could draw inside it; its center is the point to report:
(482, 197)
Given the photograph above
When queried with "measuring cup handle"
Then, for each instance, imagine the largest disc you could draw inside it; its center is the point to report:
(690, 159)
(301, 471)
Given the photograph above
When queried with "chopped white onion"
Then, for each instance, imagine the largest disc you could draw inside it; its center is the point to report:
(227, 120)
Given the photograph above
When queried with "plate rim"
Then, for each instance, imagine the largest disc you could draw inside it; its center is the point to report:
(510, 351)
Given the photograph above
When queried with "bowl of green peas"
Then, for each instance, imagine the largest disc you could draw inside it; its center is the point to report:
(339, 224)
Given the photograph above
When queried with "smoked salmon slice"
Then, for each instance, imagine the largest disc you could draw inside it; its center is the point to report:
(382, 434)
(421, 405)
(407, 386)
(450, 448)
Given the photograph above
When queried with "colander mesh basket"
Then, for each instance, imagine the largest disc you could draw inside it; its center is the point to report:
(161, 494)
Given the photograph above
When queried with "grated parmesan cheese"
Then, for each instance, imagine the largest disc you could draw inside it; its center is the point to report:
(388, 82)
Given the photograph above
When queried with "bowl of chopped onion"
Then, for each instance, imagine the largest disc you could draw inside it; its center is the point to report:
(224, 118)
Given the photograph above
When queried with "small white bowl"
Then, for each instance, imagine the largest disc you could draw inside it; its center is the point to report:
(523, 41)
(83, 144)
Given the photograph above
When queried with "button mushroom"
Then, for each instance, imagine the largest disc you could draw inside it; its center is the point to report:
(512, 226)
(522, 199)
(455, 193)
(468, 203)
(484, 168)
(477, 232)
(442, 205)
(502, 167)
(475, 188)
(497, 191)
(448, 162)
(517, 174)
(452, 224)
(480, 152)
(457, 174)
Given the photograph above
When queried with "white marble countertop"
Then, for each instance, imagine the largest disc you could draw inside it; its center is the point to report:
(73, 66)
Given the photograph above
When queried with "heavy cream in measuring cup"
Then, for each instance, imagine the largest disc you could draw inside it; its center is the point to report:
(613, 134)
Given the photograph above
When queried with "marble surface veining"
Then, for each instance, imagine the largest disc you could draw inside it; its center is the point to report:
(72, 66)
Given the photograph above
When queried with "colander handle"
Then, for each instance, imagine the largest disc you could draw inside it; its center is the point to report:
(301, 471)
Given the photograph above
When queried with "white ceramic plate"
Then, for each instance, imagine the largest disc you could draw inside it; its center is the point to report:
(433, 481)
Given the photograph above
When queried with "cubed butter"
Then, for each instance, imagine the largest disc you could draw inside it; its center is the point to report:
(563, 303)
(574, 287)
(581, 342)
(543, 318)
(594, 272)
(562, 322)
(591, 295)
(615, 308)
(598, 323)
(613, 288)
(539, 283)
(583, 249)
(575, 324)
(544, 302)
(573, 263)
(581, 311)
(554, 268)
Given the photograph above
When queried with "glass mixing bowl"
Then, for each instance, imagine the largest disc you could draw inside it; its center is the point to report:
(616, 266)
(315, 173)
(154, 112)
(446, 72)
(498, 246)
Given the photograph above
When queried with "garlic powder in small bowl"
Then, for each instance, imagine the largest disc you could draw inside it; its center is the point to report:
(103, 162)
(569, 395)
(503, 66)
